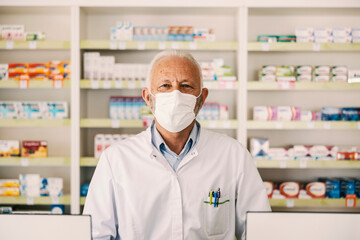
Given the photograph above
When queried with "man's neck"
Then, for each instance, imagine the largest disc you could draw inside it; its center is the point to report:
(175, 141)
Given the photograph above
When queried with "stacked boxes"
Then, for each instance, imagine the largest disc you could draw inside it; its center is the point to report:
(213, 111)
(32, 185)
(33, 110)
(123, 31)
(340, 114)
(328, 35)
(303, 73)
(9, 187)
(276, 38)
(281, 113)
(126, 107)
(9, 148)
(36, 71)
(103, 141)
(17, 33)
(52, 187)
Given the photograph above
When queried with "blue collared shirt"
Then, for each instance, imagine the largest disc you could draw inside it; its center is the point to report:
(172, 158)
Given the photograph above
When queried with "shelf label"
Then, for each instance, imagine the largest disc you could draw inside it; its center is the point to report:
(265, 46)
(55, 200)
(286, 85)
(23, 83)
(24, 162)
(193, 45)
(350, 200)
(316, 46)
(122, 45)
(162, 45)
(115, 123)
(282, 163)
(279, 125)
(226, 124)
(212, 124)
(327, 125)
(132, 84)
(113, 45)
(106, 84)
(290, 203)
(58, 83)
(303, 163)
(32, 45)
(9, 44)
(118, 83)
(30, 201)
(175, 45)
(358, 125)
(311, 125)
(94, 84)
(141, 46)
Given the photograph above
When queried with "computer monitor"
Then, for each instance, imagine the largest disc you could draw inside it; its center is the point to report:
(44, 227)
(302, 225)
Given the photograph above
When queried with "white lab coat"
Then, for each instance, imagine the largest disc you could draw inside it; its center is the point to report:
(135, 194)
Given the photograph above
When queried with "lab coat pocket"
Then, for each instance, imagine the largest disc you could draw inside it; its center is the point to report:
(216, 219)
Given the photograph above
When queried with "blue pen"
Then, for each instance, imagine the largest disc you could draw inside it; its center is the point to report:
(215, 195)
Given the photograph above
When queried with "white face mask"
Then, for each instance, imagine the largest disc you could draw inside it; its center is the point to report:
(174, 110)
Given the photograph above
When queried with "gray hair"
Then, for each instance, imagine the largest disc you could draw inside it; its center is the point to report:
(168, 53)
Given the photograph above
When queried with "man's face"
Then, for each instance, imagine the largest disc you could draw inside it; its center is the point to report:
(175, 73)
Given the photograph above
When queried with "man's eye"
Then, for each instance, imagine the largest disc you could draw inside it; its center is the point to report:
(165, 86)
(186, 86)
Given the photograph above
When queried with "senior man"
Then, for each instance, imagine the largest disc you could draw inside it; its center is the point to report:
(175, 180)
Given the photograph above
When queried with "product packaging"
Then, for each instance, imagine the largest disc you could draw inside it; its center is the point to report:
(34, 36)
(303, 78)
(55, 110)
(304, 32)
(9, 192)
(9, 148)
(259, 147)
(263, 113)
(9, 183)
(347, 186)
(306, 39)
(303, 70)
(52, 187)
(284, 71)
(9, 110)
(290, 189)
(20, 68)
(322, 32)
(29, 185)
(34, 149)
(350, 114)
(341, 31)
(338, 78)
(332, 187)
(4, 71)
(12, 32)
(331, 114)
(316, 189)
(267, 38)
(286, 113)
(342, 39)
(38, 68)
(269, 187)
(84, 188)
(31, 110)
(353, 76)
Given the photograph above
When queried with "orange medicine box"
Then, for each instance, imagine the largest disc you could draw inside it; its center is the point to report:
(39, 68)
(34, 149)
(18, 68)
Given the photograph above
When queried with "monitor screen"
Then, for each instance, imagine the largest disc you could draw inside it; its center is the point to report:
(41, 227)
(302, 225)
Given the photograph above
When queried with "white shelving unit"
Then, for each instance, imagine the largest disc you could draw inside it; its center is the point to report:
(84, 26)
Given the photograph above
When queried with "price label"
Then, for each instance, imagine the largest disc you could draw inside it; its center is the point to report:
(30, 201)
(58, 83)
(175, 45)
(290, 203)
(115, 123)
(141, 46)
(24, 162)
(162, 45)
(122, 45)
(303, 163)
(226, 124)
(193, 45)
(265, 46)
(106, 84)
(327, 125)
(118, 83)
(94, 84)
(358, 125)
(279, 125)
(23, 84)
(316, 46)
(55, 200)
(132, 84)
(9, 44)
(212, 124)
(282, 163)
(32, 45)
(113, 45)
(311, 125)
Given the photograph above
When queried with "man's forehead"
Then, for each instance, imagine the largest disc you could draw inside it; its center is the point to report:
(174, 62)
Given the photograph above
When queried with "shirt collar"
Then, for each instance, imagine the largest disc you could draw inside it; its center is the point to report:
(157, 140)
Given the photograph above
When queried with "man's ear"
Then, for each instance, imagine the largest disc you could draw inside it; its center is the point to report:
(146, 96)
(204, 95)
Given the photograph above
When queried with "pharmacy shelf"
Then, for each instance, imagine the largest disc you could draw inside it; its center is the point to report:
(65, 200)
(157, 45)
(88, 161)
(301, 125)
(32, 84)
(23, 45)
(82, 200)
(24, 162)
(109, 123)
(302, 86)
(261, 163)
(260, 46)
(324, 202)
(137, 84)
(34, 122)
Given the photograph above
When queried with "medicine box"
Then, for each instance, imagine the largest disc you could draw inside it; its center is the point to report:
(9, 148)
(55, 110)
(9, 110)
(52, 187)
(34, 149)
